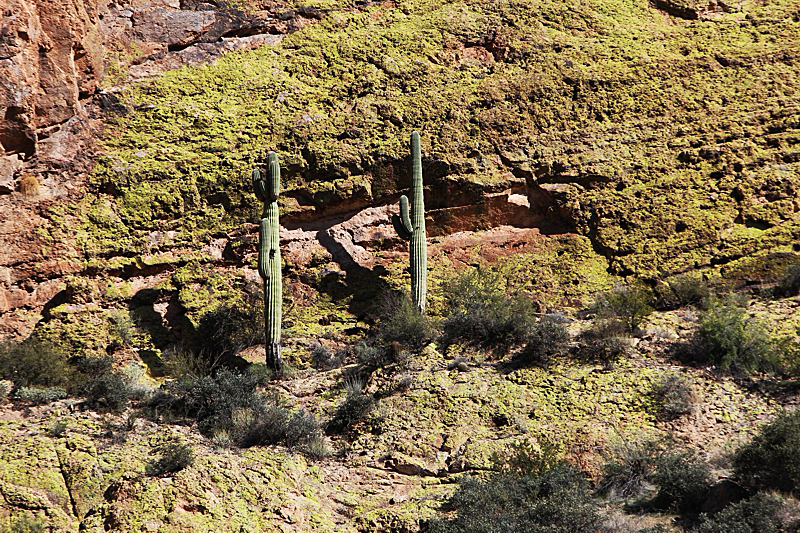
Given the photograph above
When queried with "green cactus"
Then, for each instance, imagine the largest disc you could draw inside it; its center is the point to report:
(269, 258)
(413, 228)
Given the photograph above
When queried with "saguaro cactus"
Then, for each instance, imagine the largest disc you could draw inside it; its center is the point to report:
(413, 228)
(269, 258)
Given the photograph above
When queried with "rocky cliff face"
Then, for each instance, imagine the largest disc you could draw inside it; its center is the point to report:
(55, 56)
(60, 63)
(661, 139)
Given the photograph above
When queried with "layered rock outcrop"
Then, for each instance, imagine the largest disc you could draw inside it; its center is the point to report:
(55, 55)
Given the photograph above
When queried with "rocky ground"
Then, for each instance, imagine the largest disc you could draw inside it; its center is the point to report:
(83, 470)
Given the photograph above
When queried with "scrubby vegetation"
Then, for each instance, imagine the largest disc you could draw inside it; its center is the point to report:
(625, 306)
(762, 513)
(674, 395)
(557, 500)
(733, 340)
(771, 461)
(229, 406)
(483, 312)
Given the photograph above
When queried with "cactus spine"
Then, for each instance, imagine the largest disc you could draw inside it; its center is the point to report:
(413, 228)
(269, 258)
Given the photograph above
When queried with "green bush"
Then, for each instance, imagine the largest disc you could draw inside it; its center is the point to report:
(545, 340)
(321, 357)
(674, 396)
(174, 458)
(771, 460)
(735, 342)
(402, 322)
(6, 387)
(762, 513)
(229, 403)
(355, 408)
(34, 362)
(598, 347)
(683, 481)
(481, 314)
(789, 285)
(523, 459)
(371, 355)
(627, 304)
(558, 501)
(26, 524)
(629, 467)
(227, 330)
(181, 362)
(96, 379)
(58, 428)
(681, 291)
(38, 396)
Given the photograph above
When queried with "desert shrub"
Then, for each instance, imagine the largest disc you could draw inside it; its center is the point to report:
(597, 347)
(681, 291)
(6, 387)
(138, 388)
(34, 362)
(261, 372)
(110, 391)
(545, 340)
(789, 285)
(558, 501)
(231, 403)
(481, 314)
(29, 186)
(370, 354)
(356, 407)
(733, 341)
(221, 439)
(26, 524)
(627, 304)
(321, 357)
(762, 513)
(402, 322)
(212, 400)
(123, 328)
(58, 428)
(96, 379)
(181, 362)
(38, 396)
(629, 467)
(229, 329)
(674, 395)
(276, 425)
(315, 448)
(175, 457)
(771, 460)
(683, 480)
(526, 459)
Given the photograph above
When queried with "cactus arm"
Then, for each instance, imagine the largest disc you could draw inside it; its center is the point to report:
(402, 223)
(258, 186)
(273, 186)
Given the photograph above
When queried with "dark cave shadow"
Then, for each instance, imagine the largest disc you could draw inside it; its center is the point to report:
(366, 286)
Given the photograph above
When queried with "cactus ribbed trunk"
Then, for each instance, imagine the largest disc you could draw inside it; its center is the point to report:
(419, 246)
(269, 259)
(413, 228)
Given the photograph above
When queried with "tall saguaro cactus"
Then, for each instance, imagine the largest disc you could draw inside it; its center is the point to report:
(269, 258)
(413, 228)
